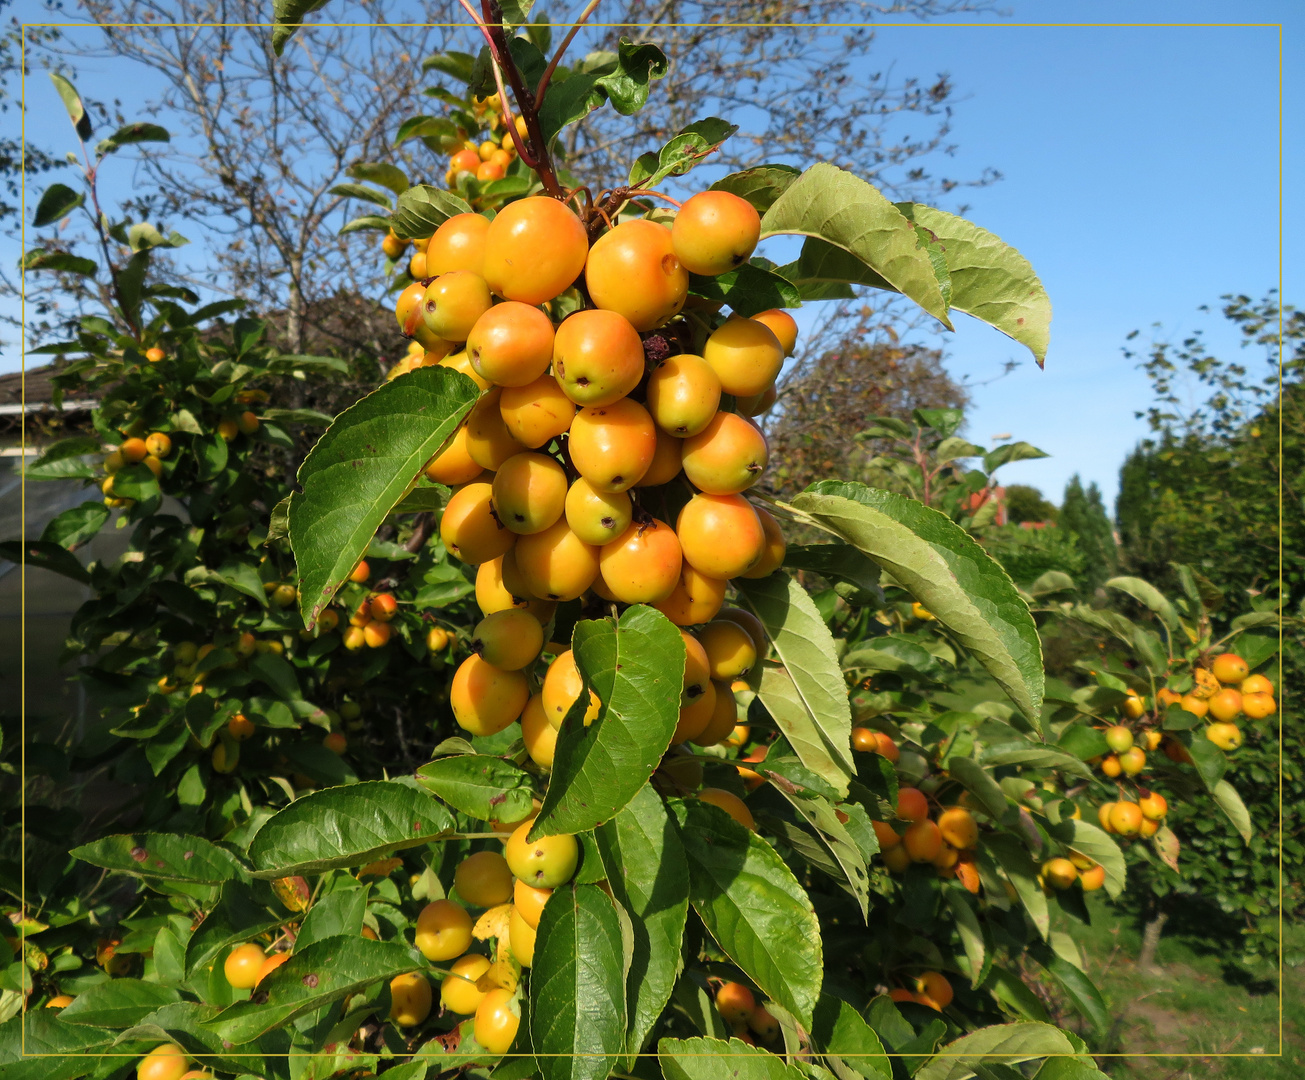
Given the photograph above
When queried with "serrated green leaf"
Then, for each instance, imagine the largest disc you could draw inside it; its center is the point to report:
(346, 826)
(73, 103)
(1003, 1043)
(748, 290)
(1227, 799)
(423, 209)
(479, 786)
(363, 192)
(753, 906)
(716, 1059)
(688, 148)
(361, 467)
(44, 555)
(117, 1003)
(1023, 874)
(636, 668)
(167, 856)
(838, 1029)
(242, 912)
(946, 571)
(38, 259)
(623, 80)
(57, 202)
(761, 185)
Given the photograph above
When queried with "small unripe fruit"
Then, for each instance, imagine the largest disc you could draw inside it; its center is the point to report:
(1226, 705)
(247, 422)
(353, 638)
(511, 344)
(411, 998)
(1195, 705)
(545, 863)
(383, 606)
(1224, 735)
(360, 573)
(485, 699)
(896, 859)
(335, 742)
(1133, 707)
(1229, 668)
(1103, 816)
(1167, 697)
(225, 756)
(458, 244)
(1060, 873)
(483, 879)
(936, 988)
(537, 412)
(1119, 738)
(597, 357)
(534, 249)
(633, 270)
(595, 516)
(443, 931)
(155, 354)
(510, 640)
(642, 565)
(1111, 766)
(1132, 761)
(458, 992)
(496, 1023)
(683, 395)
(392, 245)
(529, 492)
(783, 326)
(715, 231)
(745, 355)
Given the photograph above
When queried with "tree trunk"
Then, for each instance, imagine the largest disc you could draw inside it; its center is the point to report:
(294, 323)
(1151, 937)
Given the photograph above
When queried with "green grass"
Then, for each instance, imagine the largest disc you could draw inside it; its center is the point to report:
(1195, 1003)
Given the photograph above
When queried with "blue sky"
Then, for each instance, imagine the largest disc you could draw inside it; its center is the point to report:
(1140, 177)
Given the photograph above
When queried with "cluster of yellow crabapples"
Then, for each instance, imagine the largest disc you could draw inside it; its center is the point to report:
(557, 463)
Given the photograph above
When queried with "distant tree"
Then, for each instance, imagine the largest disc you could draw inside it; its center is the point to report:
(1083, 516)
(1027, 503)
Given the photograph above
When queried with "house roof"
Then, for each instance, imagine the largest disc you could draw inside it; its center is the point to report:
(36, 383)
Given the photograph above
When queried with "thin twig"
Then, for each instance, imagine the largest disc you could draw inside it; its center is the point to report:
(542, 88)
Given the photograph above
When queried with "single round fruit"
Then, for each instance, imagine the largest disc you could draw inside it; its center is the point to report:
(968, 874)
(539, 736)
(1126, 818)
(1103, 816)
(633, 270)
(562, 687)
(1226, 705)
(155, 354)
(545, 863)
(1132, 761)
(1256, 684)
(730, 649)
(1258, 706)
(666, 462)
(724, 717)
(642, 565)
(485, 699)
(1092, 878)
(458, 991)
(521, 939)
(729, 455)
(240, 727)
(912, 805)
(393, 245)
(1195, 705)
(335, 742)
(511, 344)
(923, 841)
(242, 964)
(529, 902)
(509, 640)
(697, 709)
(458, 244)
(410, 999)
(247, 422)
(1111, 766)
(534, 249)
(784, 327)
(383, 606)
(496, 1022)
(735, 1002)
(529, 492)
(483, 879)
(469, 527)
(683, 395)
(443, 931)
(376, 634)
(715, 231)
(134, 450)
(1230, 668)
(555, 564)
(1153, 805)
(774, 546)
(745, 355)
(489, 441)
(730, 803)
(460, 362)
(536, 413)
(695, 599)
(597, 357)
(958, 827)
(936, 988)
(896, 859)
(721, 535)
(595, 516)
(1224, 735)
(228, 428)
(158, 445)
(763, 1024)
(1167, 697)
(1119, 738)
(1060, 873)
(270, 965)
(59, 1001)
(1133, 706)
(612, 445)
(166, 1062)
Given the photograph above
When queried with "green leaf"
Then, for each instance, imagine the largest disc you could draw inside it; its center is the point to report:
(1149, 596)
(334, 915)
(346, 826)
(361, 467)
(242, 912)
(821, 739)
(761, 185)
(117, 1003)
(58, 201)
(1211, 762)
(423, 209)
(130, 134)
(63, 460)
(644, 861)
(1098, 845)
(37, 259)
(1003, 1043)
(622, 79)
(1081, 990)
(990, 279)
(167, 856)
(373, 222)
(1004, 455)
(849, 213)
(457, 64)
(978, 783)
(636, 668)
(363, 192)
(1018, 864)
(939, 564)
(682, 153)
(480, 786)
(837, 563)
(753, 906)
(322, 974)
(838, 1029)
(135, 482)
(849, 865)
(748, 290)
(73, 103)
(44, 555)
(142, 236)
(425, 127)
(1032, 756)
(1225, 795)
(577, 986)
(288, 16)
(298, 416)
(716, 1059)
(381, 172)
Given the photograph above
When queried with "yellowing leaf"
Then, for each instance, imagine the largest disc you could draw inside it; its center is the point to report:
(493, 923)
